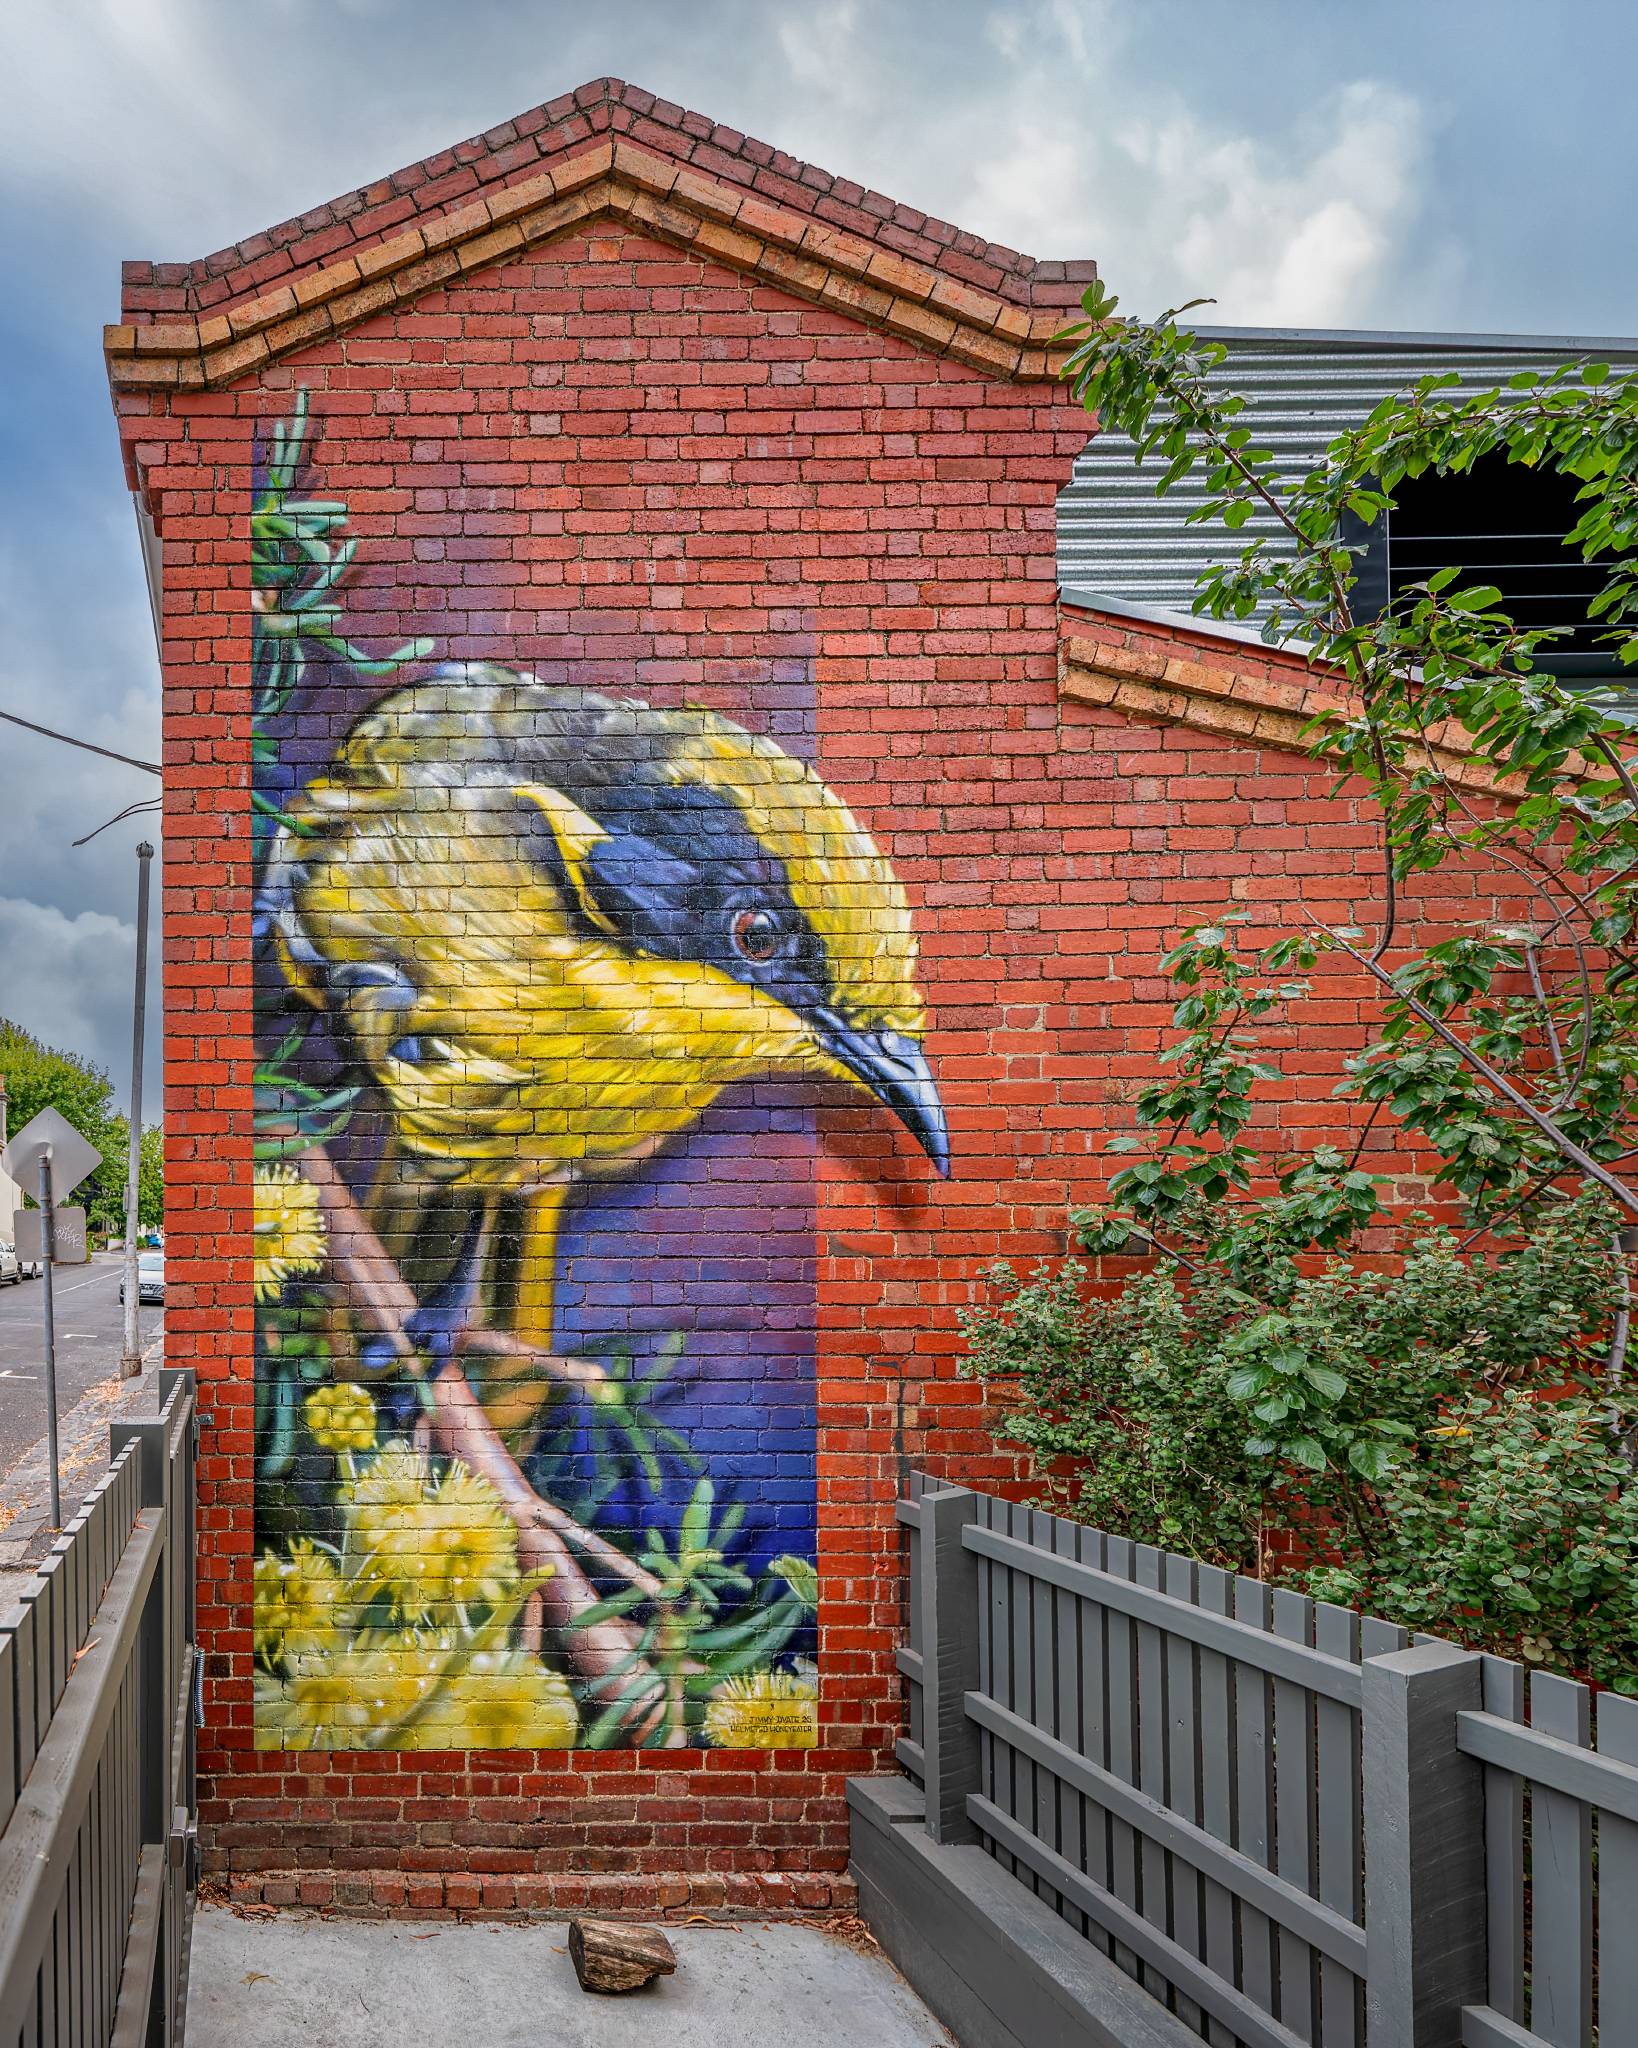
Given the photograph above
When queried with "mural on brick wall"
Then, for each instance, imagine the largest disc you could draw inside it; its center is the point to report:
(540, 975)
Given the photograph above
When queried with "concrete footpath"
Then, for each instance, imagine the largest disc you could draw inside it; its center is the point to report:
(302, 1982)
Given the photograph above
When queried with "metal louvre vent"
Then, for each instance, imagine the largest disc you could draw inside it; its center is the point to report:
(1119, 543)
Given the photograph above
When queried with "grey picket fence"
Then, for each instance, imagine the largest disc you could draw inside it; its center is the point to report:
(98, 1863)
(1290, 1823)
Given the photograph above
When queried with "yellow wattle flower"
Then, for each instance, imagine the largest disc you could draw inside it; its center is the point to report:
(434, 1545)
(764, 1710)
(341, 1418)
(419, 1691)
(340, 1699)
(293, 1602)
(289, 1228)
(498, 1699)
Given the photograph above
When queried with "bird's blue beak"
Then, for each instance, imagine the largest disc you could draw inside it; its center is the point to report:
(895, 1070)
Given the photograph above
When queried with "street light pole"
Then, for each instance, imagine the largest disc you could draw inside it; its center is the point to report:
(48, 1253)
(130, 1363)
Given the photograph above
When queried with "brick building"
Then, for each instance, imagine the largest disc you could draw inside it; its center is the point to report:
(637, 812)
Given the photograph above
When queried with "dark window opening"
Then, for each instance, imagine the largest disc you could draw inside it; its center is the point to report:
(1500, 523)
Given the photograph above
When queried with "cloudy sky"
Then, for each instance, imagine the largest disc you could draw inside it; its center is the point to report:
(1458, 164)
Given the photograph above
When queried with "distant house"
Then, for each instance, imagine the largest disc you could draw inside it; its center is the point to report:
(11, 1195)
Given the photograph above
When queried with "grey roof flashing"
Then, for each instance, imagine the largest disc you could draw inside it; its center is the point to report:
(1172, 621)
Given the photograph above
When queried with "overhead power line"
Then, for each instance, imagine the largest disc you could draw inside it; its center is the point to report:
(68, 740)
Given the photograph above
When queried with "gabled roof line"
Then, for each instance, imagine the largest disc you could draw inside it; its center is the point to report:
(615, 179)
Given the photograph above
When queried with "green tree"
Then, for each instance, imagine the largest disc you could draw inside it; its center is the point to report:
(1446, 1435)
(38, 1075)
(1512, 1050)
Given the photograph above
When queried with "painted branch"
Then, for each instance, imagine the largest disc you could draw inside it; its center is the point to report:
(462, 1430)
(382, 1292)
(602, 1653)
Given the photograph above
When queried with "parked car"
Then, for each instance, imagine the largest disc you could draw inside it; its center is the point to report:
(10, 1266)
(31, 1269)
(150, 1277)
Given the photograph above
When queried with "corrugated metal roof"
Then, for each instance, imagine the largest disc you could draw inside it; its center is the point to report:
(1118, 544)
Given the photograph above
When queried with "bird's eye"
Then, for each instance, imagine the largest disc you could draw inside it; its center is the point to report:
(755, 935)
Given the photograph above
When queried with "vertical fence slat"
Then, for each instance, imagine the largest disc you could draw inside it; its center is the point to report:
(914, 1704)
(1121, 1663)
(25, 1694)
(1617, 1887)
(8, 1729)
(1294, 1824)
(1253, 1795)
(1341, 1850)
(1021, 1697)
(1504, 1850)
(1001, 1670)
(1183, 1774)
(1090, 1548)
(1561, 1879)
(1044, 1703)
(1151, 1747)
(1214, 1591)
(986, 1656)
(1067, 1722)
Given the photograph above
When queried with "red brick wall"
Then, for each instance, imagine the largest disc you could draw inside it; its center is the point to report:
(614, 463)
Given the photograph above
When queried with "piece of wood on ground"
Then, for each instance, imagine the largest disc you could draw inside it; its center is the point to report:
(610, 1955)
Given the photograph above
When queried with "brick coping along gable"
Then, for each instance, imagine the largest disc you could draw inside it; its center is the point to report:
(606, 151)
(1271, 699)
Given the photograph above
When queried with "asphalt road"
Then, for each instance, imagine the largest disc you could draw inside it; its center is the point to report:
(90, 1332)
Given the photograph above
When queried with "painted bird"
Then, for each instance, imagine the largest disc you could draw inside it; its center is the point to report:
(554, 927)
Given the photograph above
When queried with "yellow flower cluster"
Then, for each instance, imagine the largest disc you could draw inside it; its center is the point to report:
(436, 1546)
(341, 1418)
(416, 1692)
(293, 1604)
(765, 1710)
(289, 1229)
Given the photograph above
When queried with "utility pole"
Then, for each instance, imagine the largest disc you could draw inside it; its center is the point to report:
(130, 1363)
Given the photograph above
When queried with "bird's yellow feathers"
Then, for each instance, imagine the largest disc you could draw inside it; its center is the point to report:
(519, 1036)
(851, 898)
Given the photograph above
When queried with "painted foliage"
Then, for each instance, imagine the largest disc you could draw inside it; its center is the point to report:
(544, 980)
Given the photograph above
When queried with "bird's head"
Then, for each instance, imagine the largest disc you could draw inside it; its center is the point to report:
(667, 883)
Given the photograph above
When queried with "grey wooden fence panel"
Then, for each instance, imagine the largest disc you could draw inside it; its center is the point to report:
(100, 1629)
(1294, 1822)
(1618, 1887)
(1561, 1878)
(1149, 1657)
(1023, 1808)
(1503, 1693)
(1090, 1549)
(1171, 1759)
(1182, 1792)
(1214, 1590)
(1338, 1823)
(1120, 1659)
(1044, 1684)
(987, 1764)
(1067, 1722)
(1254, 1788)
(997, 1514)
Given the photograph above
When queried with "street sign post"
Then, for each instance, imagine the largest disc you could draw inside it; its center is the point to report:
(49, 1149)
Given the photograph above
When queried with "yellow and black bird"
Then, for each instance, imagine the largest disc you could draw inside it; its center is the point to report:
(554, 926)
